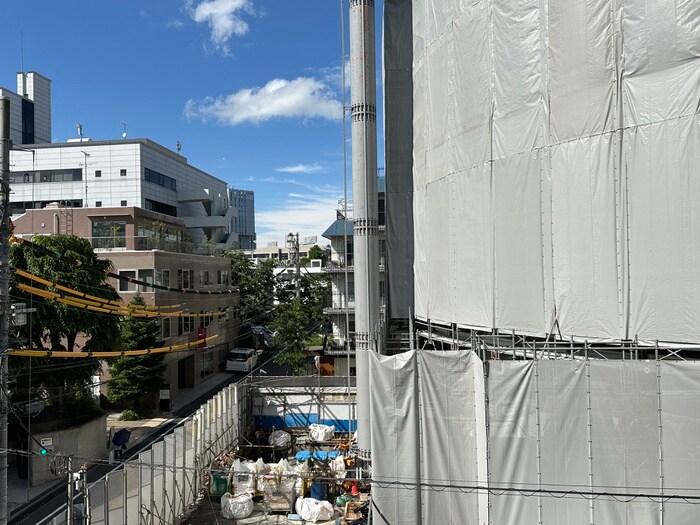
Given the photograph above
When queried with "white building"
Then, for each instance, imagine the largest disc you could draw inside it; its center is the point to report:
(122, 173)
(341, 264)
(30, 108)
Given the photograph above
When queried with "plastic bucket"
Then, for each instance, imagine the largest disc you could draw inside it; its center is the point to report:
(219, 485)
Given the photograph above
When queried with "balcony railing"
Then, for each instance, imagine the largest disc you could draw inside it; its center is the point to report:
(117, 243)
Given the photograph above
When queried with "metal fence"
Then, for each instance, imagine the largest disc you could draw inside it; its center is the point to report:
(164, 481)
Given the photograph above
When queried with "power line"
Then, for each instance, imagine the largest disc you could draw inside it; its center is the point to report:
(79, 263)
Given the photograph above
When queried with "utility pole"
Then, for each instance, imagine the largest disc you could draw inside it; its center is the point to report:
(70, 492)
(293, 243)
(86, 499)
(4, 294)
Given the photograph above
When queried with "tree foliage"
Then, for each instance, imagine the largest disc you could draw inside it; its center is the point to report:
(291, 332)
(57, 326)
(257, 287)
(299, 319)
(134, 376)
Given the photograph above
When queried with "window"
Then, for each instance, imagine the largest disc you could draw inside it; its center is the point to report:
(122, 173)
(67, 175)
(204, 278)
(206, 366)
(160, 179)
(98, 204)
(185, 278)
(123, 203)
(164, 278)
(160, 207)
(147, 277)
(125, 283)
(108, 234)
(165, 331)
(98, 173)
(185, 325)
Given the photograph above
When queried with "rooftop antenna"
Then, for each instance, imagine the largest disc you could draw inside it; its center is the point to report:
(123, 129)
(80, 130)
(21, 52)
(178, 146)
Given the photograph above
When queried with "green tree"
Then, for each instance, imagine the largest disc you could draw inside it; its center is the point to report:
(58, 326)
(300, 319)
(291, 332)
(256, 284)
(134, 376)
(315, 252)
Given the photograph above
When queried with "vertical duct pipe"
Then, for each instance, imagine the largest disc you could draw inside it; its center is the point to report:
(363, 108)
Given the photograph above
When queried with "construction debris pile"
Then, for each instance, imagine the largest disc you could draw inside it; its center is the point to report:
(309, 477)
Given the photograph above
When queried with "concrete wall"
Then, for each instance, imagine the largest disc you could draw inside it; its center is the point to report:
(83, 442)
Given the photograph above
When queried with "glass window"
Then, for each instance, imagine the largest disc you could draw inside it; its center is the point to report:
(98, 204)
(147, 277)
(108, 234)
(123, 203)
(165, 332)
(165, 278)
(98, 173)
(125, 283)
(122, 173)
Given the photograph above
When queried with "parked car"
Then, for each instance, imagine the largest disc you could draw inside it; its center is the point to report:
(241, 360)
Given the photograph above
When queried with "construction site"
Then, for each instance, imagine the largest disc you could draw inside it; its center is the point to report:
(537, 357)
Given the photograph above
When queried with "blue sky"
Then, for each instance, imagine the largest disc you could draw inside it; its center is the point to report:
(251, 89)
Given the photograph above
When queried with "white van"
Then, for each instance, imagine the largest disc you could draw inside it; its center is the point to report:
(241, 360)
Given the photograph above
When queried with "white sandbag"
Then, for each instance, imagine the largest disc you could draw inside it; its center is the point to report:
(321, 432)
(337, 465)
(242, 479)
(281, 468)
(280, 439)
(236, 507)
(313, 510)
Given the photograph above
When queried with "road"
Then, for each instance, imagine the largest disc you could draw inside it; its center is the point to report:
(52, 502)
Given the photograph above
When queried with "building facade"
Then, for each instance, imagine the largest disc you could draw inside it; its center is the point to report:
(340, 266)
(243, 224)
(143, 207)
(30, 109)
(123, 173)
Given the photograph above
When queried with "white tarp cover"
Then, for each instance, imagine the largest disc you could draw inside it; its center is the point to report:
(556, 166)
(626, 431)
(622, 427)
(428, 427)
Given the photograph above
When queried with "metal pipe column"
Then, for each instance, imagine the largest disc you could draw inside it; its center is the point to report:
(363, 111)
(4, 294)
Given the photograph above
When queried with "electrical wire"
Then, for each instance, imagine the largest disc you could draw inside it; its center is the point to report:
(79, 263)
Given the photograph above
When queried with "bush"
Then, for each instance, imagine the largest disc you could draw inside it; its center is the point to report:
(315, 340)
(82, 406)
(129, 415)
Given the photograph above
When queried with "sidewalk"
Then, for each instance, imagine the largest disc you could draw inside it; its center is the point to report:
(20, 493)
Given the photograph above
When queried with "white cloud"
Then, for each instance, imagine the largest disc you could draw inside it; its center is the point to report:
(175, 24)
(300, 168)
(325, 189)
(302, 97)
(303, 214)
(223, 18)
